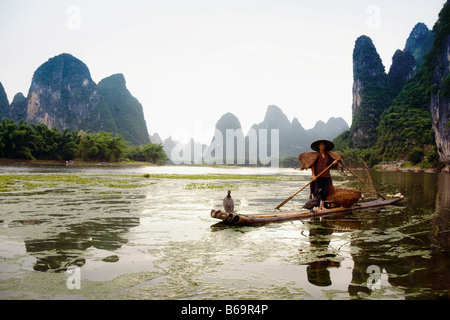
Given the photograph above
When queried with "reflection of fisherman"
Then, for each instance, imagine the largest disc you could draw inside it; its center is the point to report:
(319, 161)
(319, 238)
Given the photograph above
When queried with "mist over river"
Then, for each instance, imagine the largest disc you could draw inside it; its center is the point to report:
(105, 232)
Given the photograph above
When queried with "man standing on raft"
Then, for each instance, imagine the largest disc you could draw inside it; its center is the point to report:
(320, 163)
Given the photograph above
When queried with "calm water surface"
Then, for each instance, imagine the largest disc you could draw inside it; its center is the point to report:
(153, 238)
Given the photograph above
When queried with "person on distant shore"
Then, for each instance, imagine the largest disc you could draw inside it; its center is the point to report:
(319, 161)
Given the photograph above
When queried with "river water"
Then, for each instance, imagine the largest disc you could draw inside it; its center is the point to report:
(102, 232)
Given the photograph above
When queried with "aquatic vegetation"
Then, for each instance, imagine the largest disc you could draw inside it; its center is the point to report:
(7, 183)
(137, 236)
(219, 177)
(10, 183)
(214, 186)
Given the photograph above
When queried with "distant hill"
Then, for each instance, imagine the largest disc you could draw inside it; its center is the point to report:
(125, 109)
(4, 103)
(374, 90)
(415, 124)
(293, 138)
(16, 110)
(63, 95)
(371, 93)
(419, 42)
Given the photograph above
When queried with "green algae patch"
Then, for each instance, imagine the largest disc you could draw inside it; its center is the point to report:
(11, 183)
(219, 177)
(214, 186)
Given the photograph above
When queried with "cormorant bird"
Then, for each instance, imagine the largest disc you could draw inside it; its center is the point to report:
(315, 202)
(228, 203)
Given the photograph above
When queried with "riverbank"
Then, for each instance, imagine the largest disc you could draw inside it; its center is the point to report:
(76, 162)
(395, 166)
(403, 166)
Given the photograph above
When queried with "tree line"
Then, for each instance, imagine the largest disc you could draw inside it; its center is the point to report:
(37, 142)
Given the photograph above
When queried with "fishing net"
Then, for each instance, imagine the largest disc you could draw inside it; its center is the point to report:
(360, 187)
(364, 181)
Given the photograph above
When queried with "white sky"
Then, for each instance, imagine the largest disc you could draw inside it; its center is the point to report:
(190, 61)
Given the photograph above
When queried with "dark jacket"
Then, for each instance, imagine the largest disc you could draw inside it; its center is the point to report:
(311, 160)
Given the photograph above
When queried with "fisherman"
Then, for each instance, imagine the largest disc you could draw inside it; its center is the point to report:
(319, 161)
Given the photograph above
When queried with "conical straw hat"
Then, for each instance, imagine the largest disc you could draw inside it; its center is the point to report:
(328, 145)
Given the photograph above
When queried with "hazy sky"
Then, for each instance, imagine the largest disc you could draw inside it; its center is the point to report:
(189, 62)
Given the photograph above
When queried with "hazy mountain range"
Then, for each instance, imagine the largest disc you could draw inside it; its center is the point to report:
(63, 95)
(293, 138)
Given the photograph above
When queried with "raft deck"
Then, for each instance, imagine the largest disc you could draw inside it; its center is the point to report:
(263, 218)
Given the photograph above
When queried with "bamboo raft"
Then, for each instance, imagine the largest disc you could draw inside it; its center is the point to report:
(263, 218)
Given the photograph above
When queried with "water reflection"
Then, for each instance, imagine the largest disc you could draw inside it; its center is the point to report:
(439, 264)
(160, 242)
(66, 249)
(319, 238)
(409, 244)
(440, 233)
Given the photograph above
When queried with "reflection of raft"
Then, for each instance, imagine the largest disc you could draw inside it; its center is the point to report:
(263, 218)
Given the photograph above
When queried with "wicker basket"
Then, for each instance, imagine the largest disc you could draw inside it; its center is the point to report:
(307, 159)
(344, 197)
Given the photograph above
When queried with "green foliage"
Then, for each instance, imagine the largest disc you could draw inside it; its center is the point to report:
(342, 141)
(51, 144)
(353, 156)
(150, 152)
(416, 155)
(445, 87)
(376, 96)
(403, 65)
(416, 92)
(29, 142)
(407, 123)
(17, 140)
(441, 30)
(24, 141)
(447, 126)
(402, 128)
(289, 162)
(101, 146)
(433, 158)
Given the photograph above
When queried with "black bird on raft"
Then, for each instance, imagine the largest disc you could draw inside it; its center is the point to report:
(228, 203)
(315, 202)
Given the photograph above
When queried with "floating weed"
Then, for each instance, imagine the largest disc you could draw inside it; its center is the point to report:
(213, 186)
(218, 177)
(8, 183)
(11, 183)
(121, 184)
